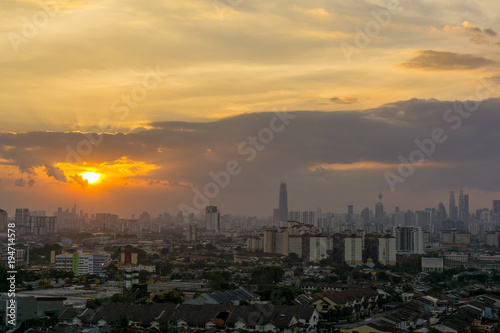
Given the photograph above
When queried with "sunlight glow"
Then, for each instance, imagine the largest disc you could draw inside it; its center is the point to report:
(91, 177)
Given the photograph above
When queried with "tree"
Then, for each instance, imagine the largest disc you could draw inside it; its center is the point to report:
(144, 276)
(267, 275)
(172, 297)
(122, 324)
(111, 271)
(279, 295)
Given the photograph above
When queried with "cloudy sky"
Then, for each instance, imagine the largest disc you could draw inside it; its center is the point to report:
(331, 96)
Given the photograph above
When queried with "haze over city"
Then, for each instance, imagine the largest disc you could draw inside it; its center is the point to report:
(125, 108)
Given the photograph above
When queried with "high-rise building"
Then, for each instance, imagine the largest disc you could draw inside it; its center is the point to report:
(42, 225)
(461, 201)
(365, 215)
(22, 220)
(212, 219)
(84, 263)
(283, 203)
(380, 248)
(452, 211)
(190, 233)
(441, 213)
(350, 209)
(495, 212)
(409, 240)
(379, 210)
(353, 247)
(3, 220)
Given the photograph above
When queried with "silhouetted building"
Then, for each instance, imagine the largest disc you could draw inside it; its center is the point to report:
(283, 203)
(3, 220)
(452, 211)
(212, 219)
(409, 240)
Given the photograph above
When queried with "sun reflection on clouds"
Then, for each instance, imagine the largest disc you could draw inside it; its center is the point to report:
(107, 174)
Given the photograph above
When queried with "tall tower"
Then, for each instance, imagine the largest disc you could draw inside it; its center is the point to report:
(452, 207)
(3, 220)
(283, 204)
(212, 219)
(461, 202)
(379, 209)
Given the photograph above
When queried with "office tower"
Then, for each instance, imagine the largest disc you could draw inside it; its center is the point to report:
(365, 215)
(399, 218)
(441, 213)
(283, 203)
(379, 210)
(461, 201)
(409, 240)
(212, 219)
(452, 211)
(495, 212)
(409, 215)
(3, 220)
(350, 209)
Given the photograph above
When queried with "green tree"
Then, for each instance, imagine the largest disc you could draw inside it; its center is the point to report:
(172, 297)
(122, 324)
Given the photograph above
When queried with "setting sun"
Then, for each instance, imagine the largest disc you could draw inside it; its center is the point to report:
(91, 177)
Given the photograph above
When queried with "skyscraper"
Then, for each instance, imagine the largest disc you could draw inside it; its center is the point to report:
(212, 219)
(441, 214)
(452, 211)
(283, 203)
(3, 220)
(461, 201)
(496, 211)
(379, 210)
(409, 240)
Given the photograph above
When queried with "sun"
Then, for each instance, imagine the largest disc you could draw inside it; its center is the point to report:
(91, 177)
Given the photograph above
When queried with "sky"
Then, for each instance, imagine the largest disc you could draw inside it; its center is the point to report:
(180, 104)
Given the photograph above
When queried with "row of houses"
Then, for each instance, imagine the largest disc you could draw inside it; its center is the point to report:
(346, 304)
(218, 317)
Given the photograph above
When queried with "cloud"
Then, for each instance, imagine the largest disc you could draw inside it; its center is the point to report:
(80, 180)
(348, 100)
(326, 156)
(474, 33)
(20, 182)
(31, 182)
(441, 61)
(56, 173)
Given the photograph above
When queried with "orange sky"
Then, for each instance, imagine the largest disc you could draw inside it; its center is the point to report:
(70, 68)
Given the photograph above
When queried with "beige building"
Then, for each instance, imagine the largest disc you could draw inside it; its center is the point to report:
(353, 250)
(432, 264)
(319, 247)
(387, 250)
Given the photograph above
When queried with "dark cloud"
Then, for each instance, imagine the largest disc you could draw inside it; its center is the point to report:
(79, 180)
(31, 182)
(349, 100)
(53, 171)
(20, 182)
(437, 60)
(191, 154)
(490, 32)
(478, 35)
